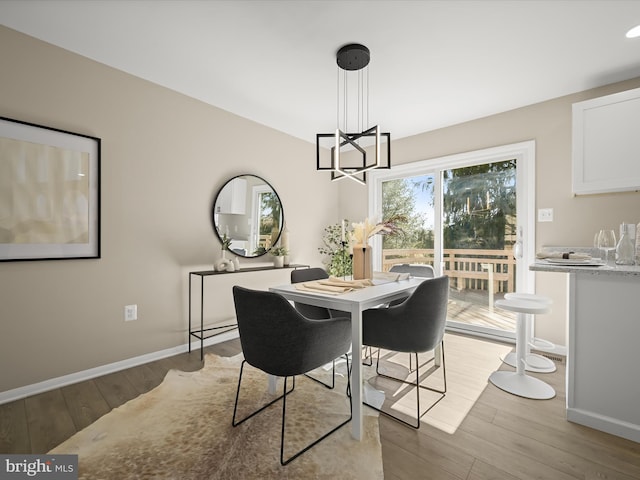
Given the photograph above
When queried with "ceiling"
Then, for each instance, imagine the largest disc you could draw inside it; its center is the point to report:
(433, 63)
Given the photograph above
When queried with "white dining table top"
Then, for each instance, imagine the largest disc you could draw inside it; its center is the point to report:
(381, 292)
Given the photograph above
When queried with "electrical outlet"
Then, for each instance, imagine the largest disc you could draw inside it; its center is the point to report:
(130, 312)
(545, 214)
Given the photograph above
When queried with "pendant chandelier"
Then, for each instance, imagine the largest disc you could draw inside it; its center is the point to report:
(345, 154)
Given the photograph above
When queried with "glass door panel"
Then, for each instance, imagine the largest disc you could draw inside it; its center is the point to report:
(410, 202)
(479, 224)
(462, 214)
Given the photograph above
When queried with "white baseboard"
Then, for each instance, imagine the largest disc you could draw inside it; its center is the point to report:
(605, 424)
(58, 382)
(560, 350)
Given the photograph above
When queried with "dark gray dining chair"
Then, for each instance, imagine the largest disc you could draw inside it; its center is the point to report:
(316, 313)
(306, 275)
(278, 340)
(414, 269)
(414, 326)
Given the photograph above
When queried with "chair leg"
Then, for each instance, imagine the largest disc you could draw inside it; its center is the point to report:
(369, 356)
(282, 433)
(333, 378)
(284, 408)
(235, 407)
(418, 387)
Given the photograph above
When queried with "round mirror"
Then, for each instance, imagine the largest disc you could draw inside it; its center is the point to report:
(248, 211)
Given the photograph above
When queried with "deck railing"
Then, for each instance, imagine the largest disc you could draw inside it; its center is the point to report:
(467, 268)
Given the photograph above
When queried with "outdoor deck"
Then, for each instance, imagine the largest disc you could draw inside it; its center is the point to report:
(472, 307)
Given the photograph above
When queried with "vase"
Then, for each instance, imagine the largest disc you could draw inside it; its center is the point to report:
(362, 262)
(278, 262)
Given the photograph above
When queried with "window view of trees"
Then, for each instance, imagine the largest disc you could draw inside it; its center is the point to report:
(479, 205)
(477, 220)
(409, 199)
(479, 208)
(269, 213)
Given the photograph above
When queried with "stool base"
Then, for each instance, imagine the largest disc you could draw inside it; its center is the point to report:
(535, 363)
(522, 385)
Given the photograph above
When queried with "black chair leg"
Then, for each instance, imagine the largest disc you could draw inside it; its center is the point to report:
(284, 409)
(418, 387)
(333, 378)
(235, 407)
(368, 355)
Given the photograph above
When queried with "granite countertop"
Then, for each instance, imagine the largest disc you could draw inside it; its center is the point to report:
(617, 270)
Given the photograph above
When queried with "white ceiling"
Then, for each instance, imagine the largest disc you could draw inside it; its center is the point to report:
(433, 63)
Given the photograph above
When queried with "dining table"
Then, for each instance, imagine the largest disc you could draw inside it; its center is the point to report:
(354, 302)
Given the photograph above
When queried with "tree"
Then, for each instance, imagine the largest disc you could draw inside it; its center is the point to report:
(479, 204)
(398, 201)
(269, 213)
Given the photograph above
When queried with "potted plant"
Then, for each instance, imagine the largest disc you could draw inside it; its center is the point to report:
(278, 256)
(338, 259)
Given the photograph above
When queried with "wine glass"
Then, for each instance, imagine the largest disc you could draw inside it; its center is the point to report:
(607, 242)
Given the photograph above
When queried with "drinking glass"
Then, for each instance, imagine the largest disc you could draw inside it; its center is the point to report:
(607, 242)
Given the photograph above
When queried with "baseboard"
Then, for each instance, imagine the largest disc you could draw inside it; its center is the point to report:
(605, 424)
(551, 352)
(58, 382)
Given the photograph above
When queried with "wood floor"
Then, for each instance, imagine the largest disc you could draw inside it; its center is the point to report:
(476, 432)
(471, 307)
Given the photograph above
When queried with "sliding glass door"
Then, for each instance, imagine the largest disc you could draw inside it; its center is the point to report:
(462, 214)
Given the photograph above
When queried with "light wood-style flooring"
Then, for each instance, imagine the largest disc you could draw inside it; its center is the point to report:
(471, 307)
(476, 432)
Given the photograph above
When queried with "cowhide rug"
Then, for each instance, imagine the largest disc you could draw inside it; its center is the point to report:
(182, 430)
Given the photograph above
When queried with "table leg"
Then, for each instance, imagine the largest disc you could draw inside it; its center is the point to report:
(189, 332)
(356, 371)
(201, 318)
(272, 384)
(437, 356)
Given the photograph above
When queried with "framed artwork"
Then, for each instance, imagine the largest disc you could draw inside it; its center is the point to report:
(49, 193)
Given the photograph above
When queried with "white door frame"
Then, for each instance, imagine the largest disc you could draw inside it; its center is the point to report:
(523, 152)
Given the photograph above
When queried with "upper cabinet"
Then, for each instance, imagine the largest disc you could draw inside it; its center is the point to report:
(606, 144)
(233, 197)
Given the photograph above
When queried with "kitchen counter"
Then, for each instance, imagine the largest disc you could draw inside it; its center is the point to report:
(603, 351)
(618, 270)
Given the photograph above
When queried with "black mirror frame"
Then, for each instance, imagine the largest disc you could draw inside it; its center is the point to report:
(213, 213)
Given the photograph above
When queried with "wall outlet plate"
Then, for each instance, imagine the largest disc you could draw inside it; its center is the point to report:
(545, 214)
(130, 313)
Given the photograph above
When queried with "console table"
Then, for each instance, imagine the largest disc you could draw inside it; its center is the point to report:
(204, 333)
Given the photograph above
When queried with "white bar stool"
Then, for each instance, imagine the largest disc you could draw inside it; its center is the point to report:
(518, 382)
(534, 362)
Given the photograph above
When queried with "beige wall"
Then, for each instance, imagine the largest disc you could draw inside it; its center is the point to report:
(164, 156)
(575, 218)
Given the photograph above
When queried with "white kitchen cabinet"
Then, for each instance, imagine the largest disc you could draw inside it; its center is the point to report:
(233, 198)
(606, 144)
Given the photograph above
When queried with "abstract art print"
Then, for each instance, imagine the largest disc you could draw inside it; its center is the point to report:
(49, 193)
